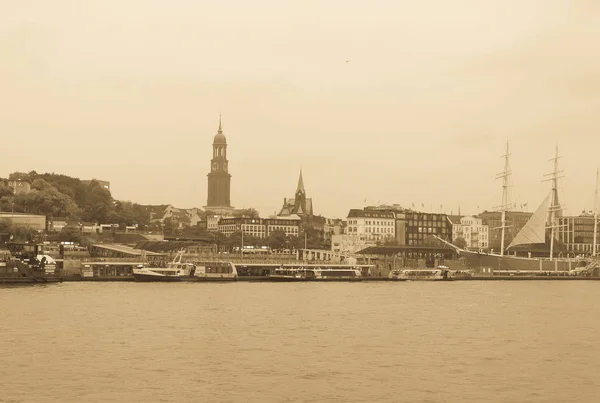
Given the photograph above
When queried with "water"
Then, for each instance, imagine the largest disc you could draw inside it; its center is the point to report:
(500, 341)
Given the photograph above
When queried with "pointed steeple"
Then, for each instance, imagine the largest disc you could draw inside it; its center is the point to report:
(300, 187)
(220, 137)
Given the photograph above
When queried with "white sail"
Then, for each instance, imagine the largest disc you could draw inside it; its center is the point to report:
(535, 229)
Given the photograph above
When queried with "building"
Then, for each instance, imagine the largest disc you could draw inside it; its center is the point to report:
(250, 226)
(24, 220)
(180, 217)
(56, 224)
(371, 225)
(219, 179)
(365, 228)
(260, 227)
(212, 222)
(299, 204)
(416, 228)
(577, 234)
(290, 225)
(19, 186)
(472, 230)
(515, 221)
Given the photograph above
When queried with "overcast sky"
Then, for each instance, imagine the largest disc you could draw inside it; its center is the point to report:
(384, 101)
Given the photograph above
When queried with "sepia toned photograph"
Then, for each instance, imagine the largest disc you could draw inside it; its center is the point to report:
(300, 201)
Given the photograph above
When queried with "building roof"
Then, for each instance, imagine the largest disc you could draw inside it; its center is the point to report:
(357, 213)
(391, 250)
(220, 137)
(10, 213)
(286, 217)
(455, 219)
(127, 250)
(289, 207)
(156, 209)
(300, 187)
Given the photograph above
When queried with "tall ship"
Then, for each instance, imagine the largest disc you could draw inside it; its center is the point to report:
(539, 235)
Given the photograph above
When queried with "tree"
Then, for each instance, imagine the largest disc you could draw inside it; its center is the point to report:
(218, 239)
(48, 202)
(248, 213)
(278, 240)
(235, 240)
(5, 191)
(5, 226)
(460, 242)
(196, 232)
(98, 204)
(70, 234)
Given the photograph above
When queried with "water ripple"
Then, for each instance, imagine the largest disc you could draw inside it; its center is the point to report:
(255, 342)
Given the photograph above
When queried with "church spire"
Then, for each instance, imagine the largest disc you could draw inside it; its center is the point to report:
(220, 126)
(300, 187)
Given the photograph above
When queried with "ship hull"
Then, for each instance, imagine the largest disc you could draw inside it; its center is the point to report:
(483, 261)
(29, 280)
(275, 279)
(149, 278)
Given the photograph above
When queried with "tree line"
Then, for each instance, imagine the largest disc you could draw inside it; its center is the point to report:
(54, 195)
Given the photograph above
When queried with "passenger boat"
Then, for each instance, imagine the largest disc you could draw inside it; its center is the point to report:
(179, 271)
(441, 273)
(215, 271)
(315, 272)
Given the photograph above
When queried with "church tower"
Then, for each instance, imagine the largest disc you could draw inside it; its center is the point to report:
(300, 197)
(219, 179)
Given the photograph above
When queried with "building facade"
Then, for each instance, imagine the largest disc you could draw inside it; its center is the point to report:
(219, 179)
(24, 220)
(180, 217)
(364, 228)
(577, 233)
(290, 225)
(19, 187)
(260, 227)
(473, 231)
(416, 228)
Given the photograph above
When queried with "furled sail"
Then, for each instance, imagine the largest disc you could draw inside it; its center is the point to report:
(535, 229)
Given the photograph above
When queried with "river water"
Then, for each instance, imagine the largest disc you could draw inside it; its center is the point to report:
(495, 341)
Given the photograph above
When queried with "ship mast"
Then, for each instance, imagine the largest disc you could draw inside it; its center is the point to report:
(596, 207)
(505, 204)
(554, 204)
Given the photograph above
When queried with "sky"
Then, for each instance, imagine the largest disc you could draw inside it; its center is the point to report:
(376, 101)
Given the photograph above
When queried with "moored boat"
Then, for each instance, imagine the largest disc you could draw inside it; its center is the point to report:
(441, 273)
(28, 265)
(177, 271)
(540, 231)
(315, 272)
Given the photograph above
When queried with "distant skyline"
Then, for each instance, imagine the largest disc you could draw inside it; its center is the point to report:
(393, 102)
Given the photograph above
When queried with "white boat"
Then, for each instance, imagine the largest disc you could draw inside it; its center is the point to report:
(441, 273)
(316, 272)
(214, 271)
